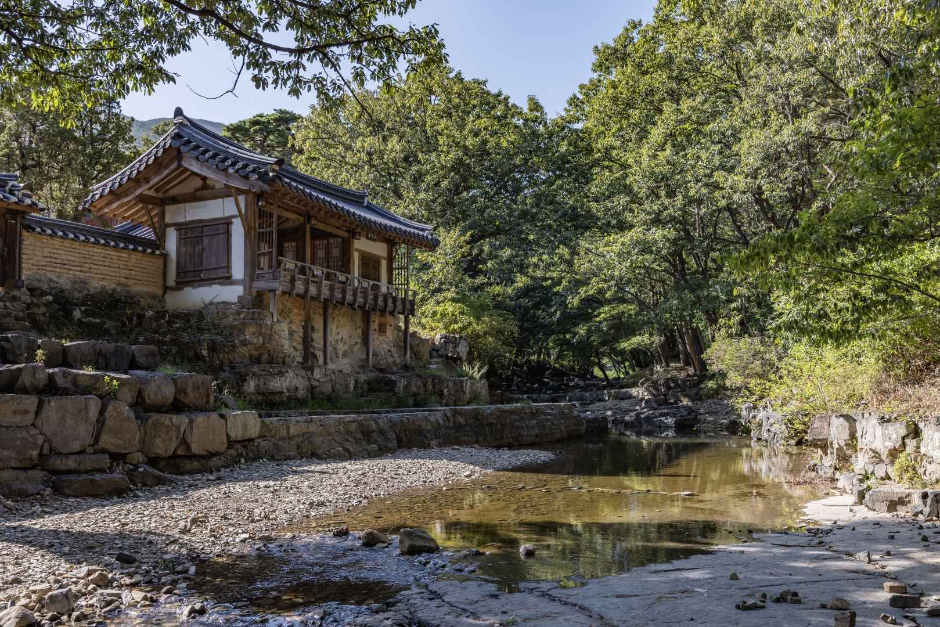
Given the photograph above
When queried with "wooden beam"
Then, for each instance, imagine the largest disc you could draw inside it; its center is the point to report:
(199, 195)
(126, 199)
(238, 207)
(153, 225)
(227, 178)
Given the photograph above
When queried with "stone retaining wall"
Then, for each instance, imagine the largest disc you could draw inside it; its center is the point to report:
(368, 435)
(91, 446)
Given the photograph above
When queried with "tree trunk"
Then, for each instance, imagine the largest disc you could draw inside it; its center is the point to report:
(664, 350)
(684, 355)
(600, 365)
(693, 343)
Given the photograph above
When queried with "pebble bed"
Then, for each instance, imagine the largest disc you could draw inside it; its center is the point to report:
(132, 551)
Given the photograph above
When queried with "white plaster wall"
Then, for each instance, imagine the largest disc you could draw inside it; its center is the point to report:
(200, 295)
(377, 249)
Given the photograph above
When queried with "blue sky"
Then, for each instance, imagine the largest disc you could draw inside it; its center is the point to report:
(523, 47)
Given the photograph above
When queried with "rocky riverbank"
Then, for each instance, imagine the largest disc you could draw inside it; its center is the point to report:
(849, 567)
(89, 559)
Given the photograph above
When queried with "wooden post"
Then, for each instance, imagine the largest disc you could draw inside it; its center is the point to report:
(369, 337)
(407, 337)
(326, 333)
(307, 279)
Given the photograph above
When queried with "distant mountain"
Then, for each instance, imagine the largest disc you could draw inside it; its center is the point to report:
(142, 127)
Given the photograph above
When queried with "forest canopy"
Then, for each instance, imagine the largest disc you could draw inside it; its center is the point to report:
(736, 183)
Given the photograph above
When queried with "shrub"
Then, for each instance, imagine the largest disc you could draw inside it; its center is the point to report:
(748, 363)
(801, 380)
(905, 472)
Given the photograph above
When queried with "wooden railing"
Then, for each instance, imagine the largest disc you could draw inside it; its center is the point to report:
(313, 282)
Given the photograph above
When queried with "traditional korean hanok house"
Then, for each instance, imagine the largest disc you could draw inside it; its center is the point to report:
(238, 226)
(15, 202)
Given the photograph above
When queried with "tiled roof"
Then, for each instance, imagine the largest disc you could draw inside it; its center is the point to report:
(90, 234)
(11, 191)
(132, 228)
(199, 142)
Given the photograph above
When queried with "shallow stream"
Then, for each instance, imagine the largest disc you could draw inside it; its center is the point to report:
(602, 506)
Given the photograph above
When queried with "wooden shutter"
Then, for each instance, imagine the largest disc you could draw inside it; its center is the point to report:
(203, 252)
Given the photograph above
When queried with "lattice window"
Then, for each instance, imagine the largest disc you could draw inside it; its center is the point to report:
(266, 237)
(290, 251)
(370, 267)
(401, 267)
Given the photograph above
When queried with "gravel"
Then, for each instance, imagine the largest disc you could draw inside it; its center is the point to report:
(45, 539)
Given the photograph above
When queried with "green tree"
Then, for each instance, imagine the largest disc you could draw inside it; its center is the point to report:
(270, 134)
(59, 165)
(445, 150)
(64, 56)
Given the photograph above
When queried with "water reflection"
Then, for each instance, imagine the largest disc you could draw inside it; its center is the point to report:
(604, 505)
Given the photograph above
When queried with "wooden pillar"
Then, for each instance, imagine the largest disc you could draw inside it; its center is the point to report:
(307, 279)
(369, 337)
(274, 259)
(326, 333)
(350, 254)
(251, 223)
(407, 336)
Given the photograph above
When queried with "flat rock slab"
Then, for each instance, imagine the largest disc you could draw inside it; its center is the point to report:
(16, 484)
(68, 422)
(699, 591)
(91, 485)
(66, 464)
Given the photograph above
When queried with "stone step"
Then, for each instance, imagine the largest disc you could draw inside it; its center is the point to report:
(25, 347)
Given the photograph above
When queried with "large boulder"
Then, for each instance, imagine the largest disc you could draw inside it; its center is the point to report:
(192, 391)
(53, 353)
(144, 357)
(23, 378)
(68, 422)
(156, 391)
(81, 354)
(19, 447)
(17, 616)
(818, 433)
(118, 431)
(882, 435)
(91, 485)
(67, 464)
(416, 541)
(161, 433)
(204, 435)
(451, 346)
(18, 347)
(241, 425)
(890, 499)
(73, 382)
(17, 410)
(843, 436)
(113, 356)
(147, 477)
(18, 484)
